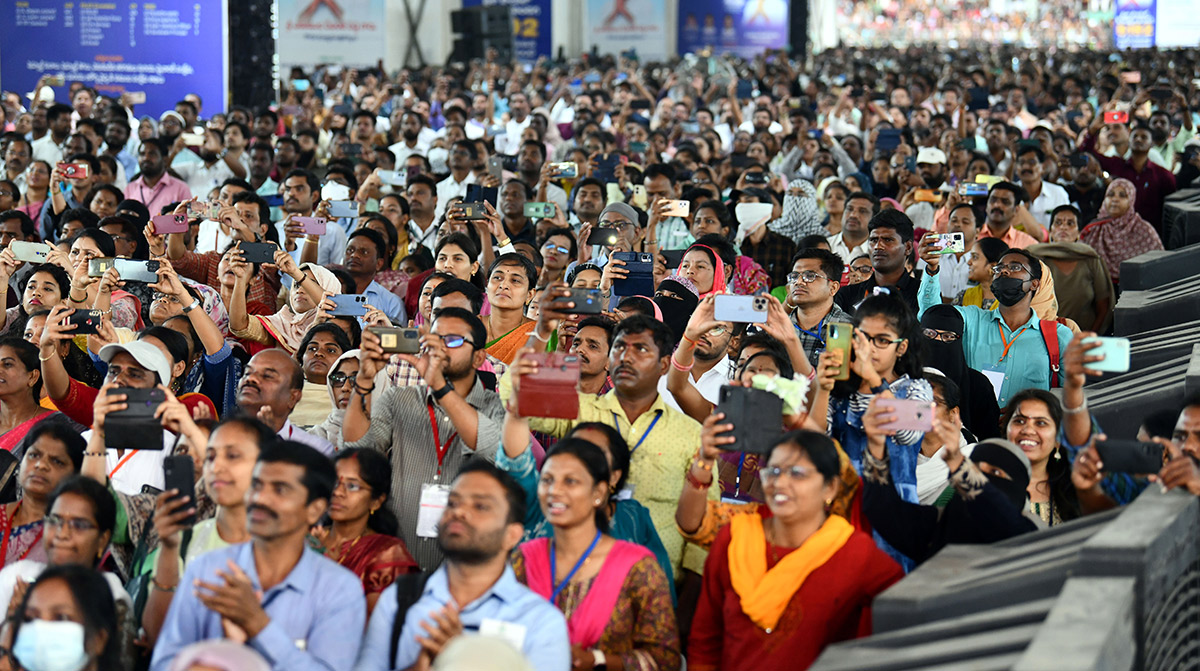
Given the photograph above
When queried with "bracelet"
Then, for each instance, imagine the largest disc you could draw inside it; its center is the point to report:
(1075, 411)
(693, 342)
(505, 242)
(161, 587)
(106, 312)
(700, 462)
(695, 482)
(71, 295)
(361, 391)
(678, 366)
(90, 453)
(534, 333)
(47, 358)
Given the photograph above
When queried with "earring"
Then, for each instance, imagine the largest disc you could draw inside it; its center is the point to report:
(1058, 453)
(598, 501)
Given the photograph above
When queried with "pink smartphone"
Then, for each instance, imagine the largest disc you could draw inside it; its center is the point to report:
(911, 415)
(170, 223)
(311, 225)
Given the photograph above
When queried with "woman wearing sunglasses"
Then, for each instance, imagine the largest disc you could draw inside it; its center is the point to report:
(558, 250)
(343, 375)
(778, 588)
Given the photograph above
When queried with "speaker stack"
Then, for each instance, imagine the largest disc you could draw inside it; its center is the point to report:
(481, 28)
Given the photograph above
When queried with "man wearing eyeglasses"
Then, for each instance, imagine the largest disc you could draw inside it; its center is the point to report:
(812, 284)
(1006, 343)
(428, 431)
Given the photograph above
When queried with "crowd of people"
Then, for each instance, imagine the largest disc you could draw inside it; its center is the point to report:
(451, 366)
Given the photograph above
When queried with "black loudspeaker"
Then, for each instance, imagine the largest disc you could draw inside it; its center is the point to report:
(251, 54)
(480, 29)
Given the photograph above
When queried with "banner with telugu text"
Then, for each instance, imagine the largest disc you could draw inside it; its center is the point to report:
(340, 32)
(165, 49)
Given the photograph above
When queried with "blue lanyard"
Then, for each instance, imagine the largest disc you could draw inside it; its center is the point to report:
(617, 426)
(555, 591)
(817, 335)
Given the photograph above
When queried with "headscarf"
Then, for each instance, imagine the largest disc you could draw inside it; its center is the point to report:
(719, 282)
(1116, 239)
(821, 189)
(866, 184)
(947, 357)
(288, 327)
(677, 309)
(212, 304)
(894, 203)
(137, 207)
(331, 428)
(219, 654)
(1008, 457)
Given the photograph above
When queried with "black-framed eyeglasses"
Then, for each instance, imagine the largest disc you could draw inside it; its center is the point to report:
(619, 225)
(1009, 269)
(455, 341)
(75, 524)
(942, 336)
(808, 277)
(339, 379)
(881, 341)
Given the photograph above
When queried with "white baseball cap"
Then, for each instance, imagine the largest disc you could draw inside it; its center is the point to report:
(931, 155)
(146, 355)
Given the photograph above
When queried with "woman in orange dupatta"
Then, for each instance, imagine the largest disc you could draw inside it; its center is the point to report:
(510, 284)
(782, 585)
(286, 328)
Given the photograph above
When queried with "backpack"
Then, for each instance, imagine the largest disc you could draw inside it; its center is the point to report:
(409, 587)
(1050, 335)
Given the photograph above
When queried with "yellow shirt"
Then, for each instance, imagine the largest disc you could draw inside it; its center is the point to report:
(657, 468)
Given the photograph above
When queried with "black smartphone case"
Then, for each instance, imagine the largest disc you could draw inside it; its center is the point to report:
(756, 416)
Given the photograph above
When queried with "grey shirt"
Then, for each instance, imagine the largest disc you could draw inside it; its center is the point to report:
(400, 429)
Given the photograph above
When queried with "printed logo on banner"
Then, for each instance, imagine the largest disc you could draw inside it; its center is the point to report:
(342, 32)
(742, 27)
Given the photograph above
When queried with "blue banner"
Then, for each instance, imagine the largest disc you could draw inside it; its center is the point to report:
(531, 26)
(1134, 24)
(165, 49)
(742, 27)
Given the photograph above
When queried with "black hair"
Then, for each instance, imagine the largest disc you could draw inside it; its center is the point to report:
(639, 304)
(104, 507)
(579, 268)
(457, 286)
(377, 239)
(344, 171)
(831, 264)
(175, 342)
(1018, 192)
(904, 322)
(1063, 498)
(1161, 423)
(1068, 208)
(376, 471)
(895, 220)
(865, 196)
(314, 184)
(28, 227)
(993, 248)
(600, 322)
(460, 240)
(320, 477)
(1023, 149)
(974, 212)
(103, 240)
(95, 602)
(392, 236)
(951, 393)
(422, 257)
(514, 494)
(95, 190)
(61, 278)
(660, 170)
(811, 242)
(478, 330)
(339, 338)
(264, 212)
(566, 232)
(57, 110)
(719, 244)
(724, 216)
(138, 208)
(69, 437)
(422, 179)
(1035, 266)
(81, 214)
(540, 147)
(818, 447)
(618, 449)
(781, 359)
(141, 249)
(264, 436)
(515, 259)
(27, 352)
(594, 462)
(660, 332)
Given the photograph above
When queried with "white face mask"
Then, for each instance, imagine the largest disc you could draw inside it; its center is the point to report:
(46, 645)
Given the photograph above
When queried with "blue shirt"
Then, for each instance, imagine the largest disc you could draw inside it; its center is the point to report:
(388, 302)
(1027, 364)
(546, 644)
(316, 613)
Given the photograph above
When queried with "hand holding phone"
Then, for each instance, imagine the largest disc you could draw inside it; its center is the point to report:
(552, 391)
(839, 337)
(29, 252)
(179, 473)
(349, 305)
(170, 223)
(130, 427)
(397, 340)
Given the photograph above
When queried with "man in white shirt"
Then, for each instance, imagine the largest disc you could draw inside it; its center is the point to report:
(461, 158)
(518, 107)
(214, 167)
(49, 147)
(270, 389)
(1043, 196)
(411, 125)
(851, 242)
(422, 202)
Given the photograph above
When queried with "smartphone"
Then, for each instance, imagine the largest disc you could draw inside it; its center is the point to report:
(553, 390)
(972, 189)
(745, 89)
(740, 309)
(910, 164)
(349, 305)
(603, 236)
(135, 270)
(85, 321)
(1115, 352)
(1161, 94)
(1078, 160)
(640, 104)
(352, 149)
(887, 140)
(978, 98)
(29, 252)
(757, 177)
(480, 194)
(639, 198)
(203, 210)
(193, 139)
(540, 210)
(640, 281)
(410, 172)
(472, 211)
(951, 243)
(926, 196)
(756, 416)
(1130, 456)
(56, 80)
(311, 225)
(677, 208)
(587, 302)
(672, 257)
(638, 147)
(1116, 117)
(393, 177)
(496, 166)
(179, 472)
(97, 267)
(497, 130)
(136, 97)
(606, 167)
(566, 170)
(74, 170)
(130, 428)
(1131, 77)
(508, 162)
(968, 143)
(816, 133)
(258, 252)
(397, 340)
(690, 127)
(343, 209)
(838, 336)
(170, 223)
(911, 415)
(335, 191)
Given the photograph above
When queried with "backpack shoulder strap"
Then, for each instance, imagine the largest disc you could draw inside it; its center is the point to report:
(409, 587)
(1050, 335)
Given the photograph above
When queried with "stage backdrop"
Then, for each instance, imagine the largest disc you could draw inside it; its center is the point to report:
(165, 49)
(616, 26)
(743, 27)
(342, 32)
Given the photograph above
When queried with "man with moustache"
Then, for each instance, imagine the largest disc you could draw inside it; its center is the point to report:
(812, 284)
(270, 389)
(891, 242)
(301, 193)
(215, 166)
(851, 242)
(154, 188)
(366, 255)
(1043, 196)
(1003, 205)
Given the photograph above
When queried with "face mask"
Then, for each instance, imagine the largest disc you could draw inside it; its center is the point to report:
(1013, 491)
(1009, 290)
(45, 645)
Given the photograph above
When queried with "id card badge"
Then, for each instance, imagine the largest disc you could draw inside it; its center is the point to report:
(433, 501)
(995, 374)
(509, 631)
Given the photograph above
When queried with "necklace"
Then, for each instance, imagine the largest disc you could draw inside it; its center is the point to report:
(341, 553)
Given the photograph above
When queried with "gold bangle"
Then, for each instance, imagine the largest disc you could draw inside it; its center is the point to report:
(45, 359)
(161, 587)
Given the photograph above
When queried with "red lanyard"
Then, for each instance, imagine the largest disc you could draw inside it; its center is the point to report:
(441, 448)
(1009, 343)
(6, 528)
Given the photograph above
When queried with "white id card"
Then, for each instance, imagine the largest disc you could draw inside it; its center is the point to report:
(996, 377)
(509, 631)
(433, 502)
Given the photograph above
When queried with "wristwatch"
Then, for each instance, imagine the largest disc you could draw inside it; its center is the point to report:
(599, 661)
(192, 306)
(441, 393)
